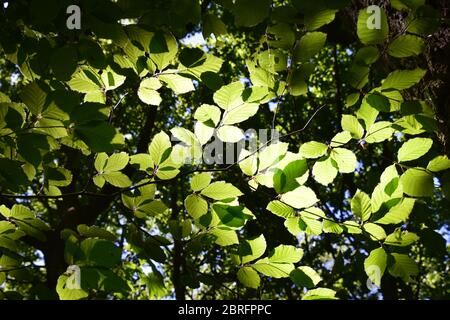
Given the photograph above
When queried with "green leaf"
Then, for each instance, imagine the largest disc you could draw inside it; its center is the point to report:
(31, 147)
(292, 224)
(34, 97)
(280, 209)
(358, 76)
(407, 4)
(309, 45)
(192, 57)
(249, 13)
(351, 124)
(200, 181)
(282, 35)
(12, 175)
(203, 132)
(258, 93)
(111, 80)
(340, 139)
(433, 242)
(224, 237)
(401, 238)
(440, 163)
(312, 213)
(12, 116)
(250, 250)
(367, 114)
(403, 267)
(271, 155)
(352, 227)
(273, 60)
(403, 79)
(99, 181)
(361, 206)
(286, 254)
(332, 227)
(99, 136)
(272, 269)
(141, 203)
(4, 98)
(98, 252)
(63, 62)
(398, 213)
(320, 294)
(100, 161)
(147, 91)
(196, 206)
(367, 56)
(424, 22)
(389, 190)
(296, 225)
(117, 179)
(95, 232)
(205, 70)
(116, 162)
(372, 28)
(231, 216)
(345, 159)
(378, 132)
(65, 293)
(108, 170)
(221, 190)
(163, 49)
(318, 18)
(158, 147)
(177, 83)
(375, 231)
(378, 101)
(297, 82)
(207, 112)
(240, 113)
(248, 162)
(414, 149)
(406, 46)
(230, 134)
(184, 135)
(313, 149)
(350, 101)
(229, 96)
(325, 171)
(375, 265)
(249, 277)
(26, 221)
(417, 182)
(302, 197)
(213, 24)
(57, 176)
(305, 276)
(152, 208)
(287, 179)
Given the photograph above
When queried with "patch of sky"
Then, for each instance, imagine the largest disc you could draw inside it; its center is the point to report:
(272, 105)
(195, 40)
(444, 231)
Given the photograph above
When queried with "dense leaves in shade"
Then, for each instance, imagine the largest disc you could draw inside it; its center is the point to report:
(224, 149)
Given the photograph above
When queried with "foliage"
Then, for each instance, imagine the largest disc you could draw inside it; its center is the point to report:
(105, 189)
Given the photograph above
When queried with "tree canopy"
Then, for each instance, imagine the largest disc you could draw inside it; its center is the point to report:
(224, 149)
